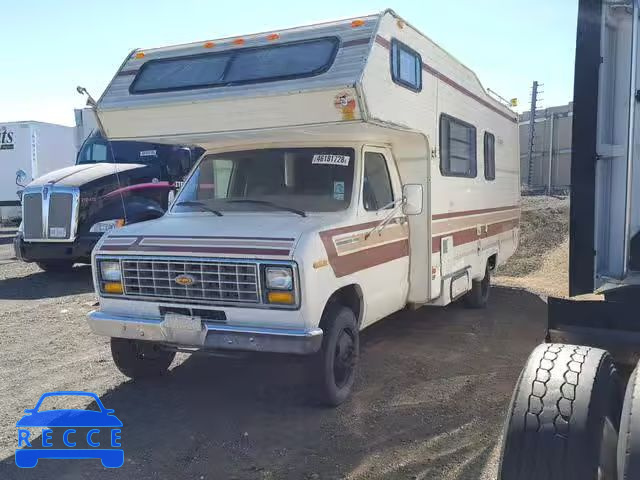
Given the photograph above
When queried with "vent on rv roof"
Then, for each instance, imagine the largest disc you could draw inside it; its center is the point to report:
(239, 66)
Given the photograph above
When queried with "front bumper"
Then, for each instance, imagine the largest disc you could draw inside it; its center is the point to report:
(79, 250)
(211, 336)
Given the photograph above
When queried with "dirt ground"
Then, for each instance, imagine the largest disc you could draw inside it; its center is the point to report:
(429, 401)
(541, 263)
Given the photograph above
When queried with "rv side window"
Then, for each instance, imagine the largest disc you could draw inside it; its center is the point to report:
(457, 148)
(376, 190)
(489, 156)
(406, 66)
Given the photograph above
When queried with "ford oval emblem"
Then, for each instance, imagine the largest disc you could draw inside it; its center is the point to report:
(184, 280)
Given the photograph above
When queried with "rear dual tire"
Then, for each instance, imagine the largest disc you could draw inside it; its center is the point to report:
(564, 416)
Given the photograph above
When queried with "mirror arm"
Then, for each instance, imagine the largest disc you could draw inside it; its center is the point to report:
(397, 204)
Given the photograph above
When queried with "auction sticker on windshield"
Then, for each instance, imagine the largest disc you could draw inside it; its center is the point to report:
(328, 159)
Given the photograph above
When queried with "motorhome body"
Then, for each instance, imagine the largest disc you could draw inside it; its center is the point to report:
(351, 168)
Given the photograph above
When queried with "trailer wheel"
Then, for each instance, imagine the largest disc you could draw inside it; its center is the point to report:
(334, 366)
(56, 265)
(137, 359)
(629, 441)
(478, 297)
(564, 416)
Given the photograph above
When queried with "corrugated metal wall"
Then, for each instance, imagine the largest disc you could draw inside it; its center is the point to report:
(548, 143)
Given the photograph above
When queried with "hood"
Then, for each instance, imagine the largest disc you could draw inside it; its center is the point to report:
(78, 175)
(201, 234)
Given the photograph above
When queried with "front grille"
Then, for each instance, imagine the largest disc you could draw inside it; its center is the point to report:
(50, 216)
(32, 215)
(211, 281)
(60, 211)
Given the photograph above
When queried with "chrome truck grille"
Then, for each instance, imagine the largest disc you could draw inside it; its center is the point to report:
(50, 213)
(192, 280)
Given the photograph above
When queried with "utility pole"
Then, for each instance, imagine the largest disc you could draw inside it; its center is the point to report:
(532, 130)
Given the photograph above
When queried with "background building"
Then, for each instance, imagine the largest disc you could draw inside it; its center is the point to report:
(551, 141)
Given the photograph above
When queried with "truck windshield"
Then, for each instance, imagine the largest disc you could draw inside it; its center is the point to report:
(98, 151)
(299, 179)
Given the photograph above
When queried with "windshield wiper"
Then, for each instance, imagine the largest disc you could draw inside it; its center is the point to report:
(200, 205)
(270, 204)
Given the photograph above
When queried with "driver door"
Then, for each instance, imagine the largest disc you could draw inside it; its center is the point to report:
(385, 281)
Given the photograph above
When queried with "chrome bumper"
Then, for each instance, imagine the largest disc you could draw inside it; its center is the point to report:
(210, 336)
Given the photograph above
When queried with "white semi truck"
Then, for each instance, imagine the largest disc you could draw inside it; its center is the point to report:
(570, 417)
(27, 151)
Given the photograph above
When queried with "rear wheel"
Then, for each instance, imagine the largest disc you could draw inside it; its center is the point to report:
(564, 416)
(137, 359)
(334, 366)
(629, 442)
(478, 297)
(56, 265)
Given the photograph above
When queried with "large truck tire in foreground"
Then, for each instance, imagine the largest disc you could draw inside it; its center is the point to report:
(570, 417)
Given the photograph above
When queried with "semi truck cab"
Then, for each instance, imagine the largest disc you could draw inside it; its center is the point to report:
(65, 212)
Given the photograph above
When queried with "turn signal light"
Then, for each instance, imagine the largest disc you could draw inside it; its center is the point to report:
(112, 287)
(281, 297)
(209, 45)
(357, 23)
(140, 55)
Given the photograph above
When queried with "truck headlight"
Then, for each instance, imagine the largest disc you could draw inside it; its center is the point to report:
(279, 278)
(110, 271)
(106, 225)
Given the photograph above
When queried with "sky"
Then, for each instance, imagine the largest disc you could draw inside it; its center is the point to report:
(48, 47)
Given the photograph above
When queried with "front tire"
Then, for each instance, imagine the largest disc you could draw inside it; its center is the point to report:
(137, 359)
(334, 366)
(564, 416)
(56, 265)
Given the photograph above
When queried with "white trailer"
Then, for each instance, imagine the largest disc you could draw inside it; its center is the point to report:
(352, 168)
(29, 150)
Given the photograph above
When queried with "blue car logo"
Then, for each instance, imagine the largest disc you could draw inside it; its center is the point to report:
(103, 430)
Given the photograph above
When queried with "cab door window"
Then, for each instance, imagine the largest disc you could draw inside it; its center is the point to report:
(376, 190)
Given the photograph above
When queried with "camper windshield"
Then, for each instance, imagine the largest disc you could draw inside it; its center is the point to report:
(302, 179)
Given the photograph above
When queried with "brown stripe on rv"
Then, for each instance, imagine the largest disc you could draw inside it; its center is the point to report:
(354, 262)
(469, 235)
(216, 250)
(452, 83)
(440, 216)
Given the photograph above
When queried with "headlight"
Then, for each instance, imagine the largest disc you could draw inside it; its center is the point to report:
(106, 225)
(110, 271)
(279, 278)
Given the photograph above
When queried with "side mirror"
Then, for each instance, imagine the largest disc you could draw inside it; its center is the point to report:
(21, 177)
(412, 199)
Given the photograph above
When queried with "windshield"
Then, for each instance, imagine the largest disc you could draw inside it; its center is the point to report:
(98, 150)
(304, 179)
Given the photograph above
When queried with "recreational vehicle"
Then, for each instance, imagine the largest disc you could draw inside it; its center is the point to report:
(351, 169)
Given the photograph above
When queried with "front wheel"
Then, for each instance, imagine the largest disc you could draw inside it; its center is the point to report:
(56, 265)
(334, 366)
(137, 359)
